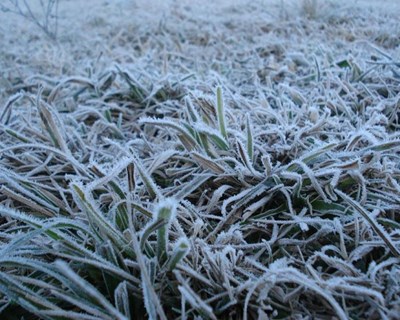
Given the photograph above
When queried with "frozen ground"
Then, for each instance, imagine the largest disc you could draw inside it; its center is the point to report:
(201, 159)
(100, 33)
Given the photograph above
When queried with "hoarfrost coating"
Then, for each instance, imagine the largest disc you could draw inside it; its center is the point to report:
(187, 159)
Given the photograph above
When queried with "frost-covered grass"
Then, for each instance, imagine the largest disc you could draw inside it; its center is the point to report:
(211, 166)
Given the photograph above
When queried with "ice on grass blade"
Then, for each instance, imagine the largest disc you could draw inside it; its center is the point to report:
(311, 175)
(79, 302)
(340, 284)
(121, 297)
(266, 161)
(205, 130)
(78, 167)
(207, 163)
(151, 301)
(165, 211)
(182, 247)
(52, 124)
(292, 275)
(63, 314)
(315, 153)
(150, 185)
(221, 114)
(151, 227)
(192, 298)
(162, 157)
(108, 178)
(245, 159)
(193, 115)
(15, 134)
(176, 126)
(98, 221)
(250, 142)
(188, 188)
(384, 146)
(85, 82)
(85, 257)
(5, 114)
(147, 296)
(130, 170)
(371, 221)
(72, 279)
(20, 216)
(32, 195)
(16, 290)
(26, 201)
